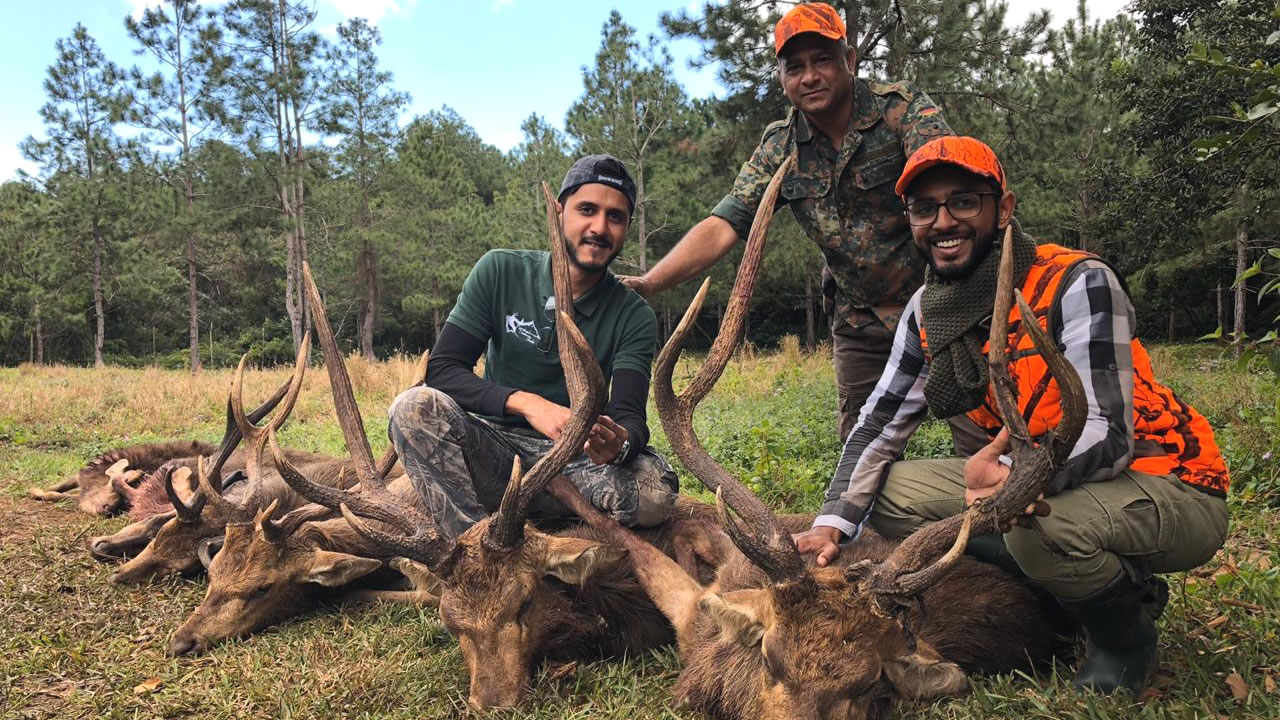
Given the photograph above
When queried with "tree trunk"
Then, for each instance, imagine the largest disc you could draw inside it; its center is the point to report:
(99, 304)
(641, 202)
(193, 298)
(810, 333)
(435, 325)
(1242, 264)
(1171, 326)
(1222, 309)
(368, 270)
(39, 337)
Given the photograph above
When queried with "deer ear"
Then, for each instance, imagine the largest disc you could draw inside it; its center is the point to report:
(573, 560)
(182, 484)
(334, 569)
(117, 468)
(923, 675)
(744, 618)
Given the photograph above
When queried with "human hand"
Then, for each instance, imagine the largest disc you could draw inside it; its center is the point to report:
(637, 283)
(820, 540)
(984, 474)
(546, 417)
(605, 441)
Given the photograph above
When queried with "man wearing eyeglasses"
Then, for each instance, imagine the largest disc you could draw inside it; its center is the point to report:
(1144, 488)
(850, 138)
(457, 435)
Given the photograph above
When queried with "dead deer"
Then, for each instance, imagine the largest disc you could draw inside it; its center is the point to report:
(512, 594)
(775, 638)
(92, 487)
(275, 565)
(151, 503)
(173, 530)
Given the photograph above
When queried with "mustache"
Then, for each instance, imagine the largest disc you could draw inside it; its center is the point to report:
(595, 239)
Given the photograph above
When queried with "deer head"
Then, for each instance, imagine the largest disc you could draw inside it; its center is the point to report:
(831, 642)
(499, 596)
(269, 565)
(245, 592)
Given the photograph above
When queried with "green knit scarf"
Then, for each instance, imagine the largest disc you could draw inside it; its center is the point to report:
(953, 311)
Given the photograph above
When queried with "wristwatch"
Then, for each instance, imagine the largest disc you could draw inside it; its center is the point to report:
(622, 453)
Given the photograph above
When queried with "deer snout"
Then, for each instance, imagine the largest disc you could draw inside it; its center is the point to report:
(186, 645)
(101, 548)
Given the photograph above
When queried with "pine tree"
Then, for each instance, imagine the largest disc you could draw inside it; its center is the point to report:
(177, 104)
(85, 102)
(361, 109)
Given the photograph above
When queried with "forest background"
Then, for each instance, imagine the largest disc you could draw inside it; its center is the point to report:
(171, 208)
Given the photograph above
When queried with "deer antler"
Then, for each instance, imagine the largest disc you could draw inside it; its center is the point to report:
(245, 511)
(909, 570)
(585, 383)
(760, 537)
(421, 541)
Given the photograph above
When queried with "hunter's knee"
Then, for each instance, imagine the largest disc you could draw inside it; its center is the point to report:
(418, 404)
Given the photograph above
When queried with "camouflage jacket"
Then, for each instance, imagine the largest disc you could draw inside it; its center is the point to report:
(844, 199)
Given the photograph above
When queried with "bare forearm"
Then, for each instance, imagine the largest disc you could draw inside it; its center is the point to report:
(699, 249)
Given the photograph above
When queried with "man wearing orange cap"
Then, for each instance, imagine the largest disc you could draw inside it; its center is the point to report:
(850, 138)
(1143, 490)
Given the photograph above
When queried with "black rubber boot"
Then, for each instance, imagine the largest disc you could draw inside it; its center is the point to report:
(1120, 634)
(991, 549)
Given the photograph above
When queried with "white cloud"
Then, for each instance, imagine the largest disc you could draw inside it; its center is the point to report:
(499, 4)
(372, 10)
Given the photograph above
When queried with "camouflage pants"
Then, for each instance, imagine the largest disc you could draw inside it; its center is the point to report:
(460, 466)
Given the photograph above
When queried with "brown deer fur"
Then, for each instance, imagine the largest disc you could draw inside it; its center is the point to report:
(92, 487)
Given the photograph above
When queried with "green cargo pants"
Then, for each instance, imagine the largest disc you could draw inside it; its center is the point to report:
(1134, 523)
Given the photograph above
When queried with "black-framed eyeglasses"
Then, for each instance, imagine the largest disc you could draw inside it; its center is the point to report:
(960, 206)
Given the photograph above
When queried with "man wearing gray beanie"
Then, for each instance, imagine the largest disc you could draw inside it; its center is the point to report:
(457, 434)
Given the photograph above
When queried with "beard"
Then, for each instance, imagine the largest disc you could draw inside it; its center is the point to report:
(982, 245)
(571, 248)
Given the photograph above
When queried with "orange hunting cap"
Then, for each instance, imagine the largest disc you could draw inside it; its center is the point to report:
(969, 153)
(815, 17)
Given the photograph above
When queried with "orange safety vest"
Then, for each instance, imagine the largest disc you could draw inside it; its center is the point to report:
(1170, 437)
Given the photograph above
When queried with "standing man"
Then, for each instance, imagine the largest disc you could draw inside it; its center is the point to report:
(457, 435)
(1143, 490)
(851, 138)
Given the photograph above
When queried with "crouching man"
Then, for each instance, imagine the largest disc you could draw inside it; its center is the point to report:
(1144, 489)
(457, 436)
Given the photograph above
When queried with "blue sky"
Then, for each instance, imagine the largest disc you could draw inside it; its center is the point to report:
(493, 61)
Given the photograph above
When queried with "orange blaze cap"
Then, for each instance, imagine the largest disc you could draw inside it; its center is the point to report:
(815, 17)
(969, 153)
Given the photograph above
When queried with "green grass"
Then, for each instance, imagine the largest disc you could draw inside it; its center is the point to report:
(72, 645)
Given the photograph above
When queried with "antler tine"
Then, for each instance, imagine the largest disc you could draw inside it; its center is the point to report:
(374, 500)
(762, 538)
(279, 531)
(585, 383)
(775, 555)
(257, 436)
(1032, 466)
(344, 399)
(233, 512)
(231, 436)
(186, 513)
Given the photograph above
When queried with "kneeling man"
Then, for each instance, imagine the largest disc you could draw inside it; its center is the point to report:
(457, 436)
(1144, 489)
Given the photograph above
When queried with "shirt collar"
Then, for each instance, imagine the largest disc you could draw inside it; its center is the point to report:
(866, 112)
(590, 300)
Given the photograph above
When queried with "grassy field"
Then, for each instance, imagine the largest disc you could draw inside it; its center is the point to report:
(72, 645)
